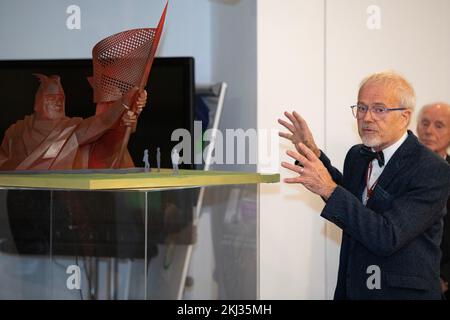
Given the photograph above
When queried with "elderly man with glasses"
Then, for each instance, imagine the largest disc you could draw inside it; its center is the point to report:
(433, 129)
(389, 201)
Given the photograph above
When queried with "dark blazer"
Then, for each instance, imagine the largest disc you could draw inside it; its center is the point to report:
(399, 230)
(445, 246)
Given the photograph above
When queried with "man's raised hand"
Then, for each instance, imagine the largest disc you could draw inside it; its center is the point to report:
(298, 132)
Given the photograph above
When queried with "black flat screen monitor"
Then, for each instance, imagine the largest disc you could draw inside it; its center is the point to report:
(171, 89)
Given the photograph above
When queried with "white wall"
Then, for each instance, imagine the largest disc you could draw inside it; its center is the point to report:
(37, 29)
(291, 77)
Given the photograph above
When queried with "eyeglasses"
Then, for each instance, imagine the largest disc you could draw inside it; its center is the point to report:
(378, 111)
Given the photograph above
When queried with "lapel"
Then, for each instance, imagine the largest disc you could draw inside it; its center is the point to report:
(400, 158)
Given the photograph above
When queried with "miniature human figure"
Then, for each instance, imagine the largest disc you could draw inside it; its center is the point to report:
(145, 160)
(175, 160)
(48, 140)
(158, 159)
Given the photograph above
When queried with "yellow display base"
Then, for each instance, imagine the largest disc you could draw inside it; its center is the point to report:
(151, 180)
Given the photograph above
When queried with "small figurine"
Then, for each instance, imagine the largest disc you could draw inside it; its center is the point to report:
(175, 159)
(158, 159)
(145, 160)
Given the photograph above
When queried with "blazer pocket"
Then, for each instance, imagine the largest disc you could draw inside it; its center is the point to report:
(381, 200)
(407, 282)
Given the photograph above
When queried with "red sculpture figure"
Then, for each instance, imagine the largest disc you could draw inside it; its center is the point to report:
(49, 140)
(121, 62)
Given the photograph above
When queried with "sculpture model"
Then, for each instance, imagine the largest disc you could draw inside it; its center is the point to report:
(48, 140)
(175, 156)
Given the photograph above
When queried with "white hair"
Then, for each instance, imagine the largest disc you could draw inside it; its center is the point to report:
(430, 105)
(390, 79)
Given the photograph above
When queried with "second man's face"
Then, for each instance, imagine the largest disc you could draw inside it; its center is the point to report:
(433, 128)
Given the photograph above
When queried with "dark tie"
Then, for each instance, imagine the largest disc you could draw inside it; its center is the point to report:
(367, 153)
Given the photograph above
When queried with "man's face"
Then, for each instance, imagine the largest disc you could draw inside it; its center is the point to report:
(53, 106)
(433, 128)
(381, 131)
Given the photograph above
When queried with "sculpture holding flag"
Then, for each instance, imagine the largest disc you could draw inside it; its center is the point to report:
(48, 140)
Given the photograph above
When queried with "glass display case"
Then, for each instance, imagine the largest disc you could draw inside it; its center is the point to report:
(143, 243)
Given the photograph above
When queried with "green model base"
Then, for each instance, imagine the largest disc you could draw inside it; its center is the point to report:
(149, 180)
